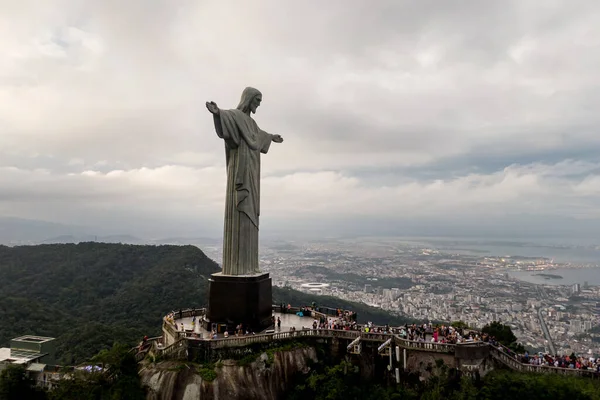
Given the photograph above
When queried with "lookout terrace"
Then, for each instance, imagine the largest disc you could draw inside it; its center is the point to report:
(405, 348)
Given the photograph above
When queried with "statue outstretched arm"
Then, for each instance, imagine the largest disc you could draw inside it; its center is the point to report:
(266, 139)
(212, 107)
(216, 112)
(276, 138)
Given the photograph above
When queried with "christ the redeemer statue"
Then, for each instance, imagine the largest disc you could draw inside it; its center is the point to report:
(244, 141)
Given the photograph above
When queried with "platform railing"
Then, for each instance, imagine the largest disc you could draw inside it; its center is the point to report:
(515, 364)
(240, 341)
(236, 341)
(427, 346)
(178, 346)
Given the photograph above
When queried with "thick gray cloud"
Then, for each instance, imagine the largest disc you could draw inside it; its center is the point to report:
(399, 110)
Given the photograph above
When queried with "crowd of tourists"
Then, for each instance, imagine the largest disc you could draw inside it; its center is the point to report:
(339, 319)
(547, 360)
(437, 334)
(346, 320)
(428, 332)
(573, 362)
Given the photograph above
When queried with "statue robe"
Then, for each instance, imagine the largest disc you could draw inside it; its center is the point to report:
(244, 141)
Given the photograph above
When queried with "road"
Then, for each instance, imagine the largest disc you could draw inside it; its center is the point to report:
(546, 332)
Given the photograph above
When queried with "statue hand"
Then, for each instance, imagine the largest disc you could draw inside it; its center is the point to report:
(212, 107)
(277, 138)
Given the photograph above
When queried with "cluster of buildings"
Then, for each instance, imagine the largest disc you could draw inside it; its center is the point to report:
(37, 354)
(437, 285)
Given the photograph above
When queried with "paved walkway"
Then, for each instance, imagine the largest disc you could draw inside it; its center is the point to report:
(287, 321)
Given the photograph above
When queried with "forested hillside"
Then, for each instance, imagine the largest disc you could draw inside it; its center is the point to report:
(89, 295)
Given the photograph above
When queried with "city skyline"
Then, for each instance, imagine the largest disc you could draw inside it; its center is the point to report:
(409, 118)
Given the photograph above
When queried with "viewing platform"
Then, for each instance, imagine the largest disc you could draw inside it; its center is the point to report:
(183, 325)
(195, 342)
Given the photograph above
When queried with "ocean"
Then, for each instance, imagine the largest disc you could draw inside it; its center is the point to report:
(561, 253)
(578, 254)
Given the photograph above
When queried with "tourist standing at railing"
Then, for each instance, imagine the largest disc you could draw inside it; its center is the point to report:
(568, 362)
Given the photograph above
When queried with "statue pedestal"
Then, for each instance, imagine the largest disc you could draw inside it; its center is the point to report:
(235, 299)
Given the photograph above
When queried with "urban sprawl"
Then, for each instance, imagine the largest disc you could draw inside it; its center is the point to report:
(426, 284)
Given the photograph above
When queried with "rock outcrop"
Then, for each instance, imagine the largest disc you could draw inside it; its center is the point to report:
(264, 379)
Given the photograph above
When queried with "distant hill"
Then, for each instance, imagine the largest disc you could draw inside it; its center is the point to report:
(189, 240)
(20, 231)
(15, 231)
(126, 239)
(91, 294)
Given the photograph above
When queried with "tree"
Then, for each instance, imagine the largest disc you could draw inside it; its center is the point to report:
(122, 371)
(460, 325)
(79, 387)
(16, 385)
(118, 379)
(503, 334)
(500, 385)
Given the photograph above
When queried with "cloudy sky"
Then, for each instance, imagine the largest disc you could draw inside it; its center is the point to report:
(467, 116)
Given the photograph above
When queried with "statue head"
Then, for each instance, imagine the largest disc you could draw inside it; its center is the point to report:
(250, 100)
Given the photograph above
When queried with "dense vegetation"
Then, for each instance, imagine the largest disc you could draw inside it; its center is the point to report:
(89, 295)
(343, 381)
(503, 334)
(16, 385)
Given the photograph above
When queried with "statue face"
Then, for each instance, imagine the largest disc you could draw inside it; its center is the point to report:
(255, 103)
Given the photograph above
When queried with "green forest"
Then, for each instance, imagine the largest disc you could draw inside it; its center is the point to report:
(89, 295)
(343, 381)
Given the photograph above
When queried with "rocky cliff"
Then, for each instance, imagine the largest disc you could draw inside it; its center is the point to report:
(266, 378)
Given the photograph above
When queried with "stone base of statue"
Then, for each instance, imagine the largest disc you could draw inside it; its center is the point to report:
(235, 299)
